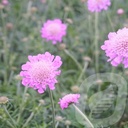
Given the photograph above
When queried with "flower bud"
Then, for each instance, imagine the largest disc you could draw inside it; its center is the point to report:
(62, 46)
(120, 11)
(42, 102)
(3, 100)
(59, 118)
(75, 89)
(67, 122)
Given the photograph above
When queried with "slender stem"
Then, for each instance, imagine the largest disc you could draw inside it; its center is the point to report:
(22, 105)
(52, 103)
(83, 71)
(109, 19)
(29, 118)
(96, 43)
(57, 124)
(5, 109)
(84, 116)
(67, 126)
(76, 62)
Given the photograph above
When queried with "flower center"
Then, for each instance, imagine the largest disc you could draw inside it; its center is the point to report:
(122, 48)
(53, 29)
(40, 71)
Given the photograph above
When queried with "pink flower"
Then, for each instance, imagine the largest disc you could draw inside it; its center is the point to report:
(5, 2)
(41, 70)
(68, 99)
(120, 11)
(53, 30)
(116, 47)
(98, 5)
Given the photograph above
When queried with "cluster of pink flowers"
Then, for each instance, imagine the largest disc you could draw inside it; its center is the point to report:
(5, 2)
(68, 99)
(53, 30)
(116, 47)
(98, 5)
(41, 70)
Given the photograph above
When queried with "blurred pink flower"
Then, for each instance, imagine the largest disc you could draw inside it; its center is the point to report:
(5, 2)
(53, 30)
(68, 99)
(98, 5)
(43, 1)
(120, 11)
(41, 70)
(116, 47)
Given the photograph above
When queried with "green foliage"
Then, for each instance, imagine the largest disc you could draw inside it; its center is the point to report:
(20, 36)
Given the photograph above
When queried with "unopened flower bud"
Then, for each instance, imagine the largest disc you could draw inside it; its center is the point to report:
(67, 122)
(59, 118)
(67, 9)
(62, 46)
(99, 81)
(87, 58)
(42, 102)
(120, 11)
(33, 9)
(75, 89)
(9, 26)
(18, 77)
(25, 39)
(70, 21)
(3, 100)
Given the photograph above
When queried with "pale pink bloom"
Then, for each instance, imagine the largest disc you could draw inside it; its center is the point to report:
(41, 71)
(68, 99)
(53, 30)
(116, 47)
(5, 2)
(98, 5)
(43, 1)
(120, 11)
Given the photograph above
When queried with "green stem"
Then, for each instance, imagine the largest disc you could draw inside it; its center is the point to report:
(72, 57)
(57, 124)
(109, 19)
(29, 118)
(84, 116)
(96, 44)
(67, 126)
(83, 71)
(5, 109)
(52, 103)
(22, 105)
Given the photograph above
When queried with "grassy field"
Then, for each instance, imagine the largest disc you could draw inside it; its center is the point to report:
(20, 25)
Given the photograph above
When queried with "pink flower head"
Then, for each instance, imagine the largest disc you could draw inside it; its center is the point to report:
(68, 99)
(5, 2)
(53, 30)
(98, 5)
(41, 70)
(120, 11)
(116, 47)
